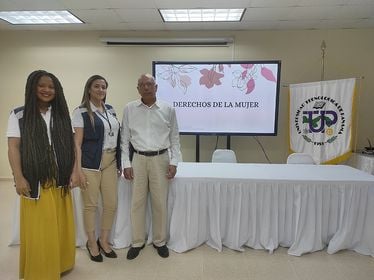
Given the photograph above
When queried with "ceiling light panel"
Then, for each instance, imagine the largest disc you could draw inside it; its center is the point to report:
(200, 15)
(39, 17)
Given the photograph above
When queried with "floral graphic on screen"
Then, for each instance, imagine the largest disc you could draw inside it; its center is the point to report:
(210, 77)
(177, 75)
(245, 79)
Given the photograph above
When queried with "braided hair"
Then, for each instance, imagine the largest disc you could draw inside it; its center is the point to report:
(41, 162)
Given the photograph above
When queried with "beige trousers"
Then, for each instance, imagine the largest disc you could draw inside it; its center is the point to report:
(149, 176)
(104, 182)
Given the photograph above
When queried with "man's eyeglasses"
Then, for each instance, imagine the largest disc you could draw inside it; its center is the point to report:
(143, 85)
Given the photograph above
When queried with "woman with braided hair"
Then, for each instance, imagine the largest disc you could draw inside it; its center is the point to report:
(41, 155)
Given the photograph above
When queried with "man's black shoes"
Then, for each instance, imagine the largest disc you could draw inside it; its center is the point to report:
(162, 251)
(134, 252)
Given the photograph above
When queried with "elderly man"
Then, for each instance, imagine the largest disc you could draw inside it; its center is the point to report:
(150, 127)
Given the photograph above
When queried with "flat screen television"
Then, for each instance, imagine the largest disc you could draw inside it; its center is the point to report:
(221, 97)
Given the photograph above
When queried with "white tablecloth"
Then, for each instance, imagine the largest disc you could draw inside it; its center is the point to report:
(363, 162)
(263, 206)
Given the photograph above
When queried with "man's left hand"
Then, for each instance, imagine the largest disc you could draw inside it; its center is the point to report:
(172, 170)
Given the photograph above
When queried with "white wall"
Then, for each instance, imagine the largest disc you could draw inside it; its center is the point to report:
(74, 56)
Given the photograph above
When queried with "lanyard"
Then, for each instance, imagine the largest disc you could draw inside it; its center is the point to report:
(106, 117)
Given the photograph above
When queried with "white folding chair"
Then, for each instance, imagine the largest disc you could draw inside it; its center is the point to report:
(224, 155)
(300, 158)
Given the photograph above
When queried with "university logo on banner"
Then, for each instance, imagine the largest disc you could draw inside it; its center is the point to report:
(321, 119)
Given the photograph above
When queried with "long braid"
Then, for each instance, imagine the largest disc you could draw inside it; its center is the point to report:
(42, 162)
(35, 158)
(62, 136)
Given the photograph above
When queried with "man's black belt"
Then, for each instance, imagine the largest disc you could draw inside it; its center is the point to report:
(151, 153)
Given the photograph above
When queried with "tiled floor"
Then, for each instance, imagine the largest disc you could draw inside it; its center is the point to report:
(198, 264)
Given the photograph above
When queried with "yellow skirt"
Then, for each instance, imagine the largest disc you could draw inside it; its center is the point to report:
(47, 235)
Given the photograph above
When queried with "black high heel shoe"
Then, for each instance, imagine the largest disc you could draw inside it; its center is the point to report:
(98, 258)
(111, 254)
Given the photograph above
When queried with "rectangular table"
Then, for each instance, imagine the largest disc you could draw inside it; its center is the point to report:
(262, 206)
(362, 161)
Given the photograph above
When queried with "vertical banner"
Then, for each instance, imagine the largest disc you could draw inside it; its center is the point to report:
(320, 119)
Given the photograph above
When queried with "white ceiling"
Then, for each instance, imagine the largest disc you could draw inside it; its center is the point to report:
(142, 15)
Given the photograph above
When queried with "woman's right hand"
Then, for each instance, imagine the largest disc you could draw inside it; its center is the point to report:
(74, 179)
(83, 183)
(22, 186)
